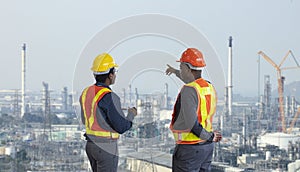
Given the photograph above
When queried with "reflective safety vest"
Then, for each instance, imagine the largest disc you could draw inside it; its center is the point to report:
(89, 103)
(205, 110)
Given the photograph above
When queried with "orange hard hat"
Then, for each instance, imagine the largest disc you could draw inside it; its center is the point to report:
(193, 57)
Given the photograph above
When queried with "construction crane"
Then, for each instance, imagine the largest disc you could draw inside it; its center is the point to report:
(280, 80)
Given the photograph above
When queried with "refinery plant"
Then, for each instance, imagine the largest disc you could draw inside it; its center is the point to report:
(42, 130)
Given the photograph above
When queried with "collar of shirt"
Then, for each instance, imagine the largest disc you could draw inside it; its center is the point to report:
(100, 84)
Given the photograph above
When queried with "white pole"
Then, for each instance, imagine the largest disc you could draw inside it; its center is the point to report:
(229, 84)
(23, 79)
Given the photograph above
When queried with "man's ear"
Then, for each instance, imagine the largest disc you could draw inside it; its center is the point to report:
(111, 76)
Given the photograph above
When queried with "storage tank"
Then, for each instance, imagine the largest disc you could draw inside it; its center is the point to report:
(268, 156)
(277, 139)
(10, 151)
(292, 167)
(297, 162)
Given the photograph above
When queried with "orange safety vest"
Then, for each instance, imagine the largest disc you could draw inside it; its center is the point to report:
(89, 102)
(205, 110)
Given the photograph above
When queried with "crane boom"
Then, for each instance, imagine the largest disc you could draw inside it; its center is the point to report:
(295, 59)
(287, 68)
(284, 58)
(280, 87)
(268, 59)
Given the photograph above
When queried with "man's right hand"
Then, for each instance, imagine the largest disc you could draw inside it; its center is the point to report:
(217, 136)
(132, 110)
(170, 70)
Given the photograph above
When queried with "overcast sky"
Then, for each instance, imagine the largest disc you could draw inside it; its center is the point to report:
(57, 31)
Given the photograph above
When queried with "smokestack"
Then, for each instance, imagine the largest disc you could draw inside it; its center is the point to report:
(136, 94)
(70, 104)
(229, 84)
(244, 130)
(65, 99)
(293, 105)
(23, 80)
(46, 97)
(166, 103)
(130, 94)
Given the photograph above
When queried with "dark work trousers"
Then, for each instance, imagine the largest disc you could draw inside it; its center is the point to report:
(103, 157)
(192, 158)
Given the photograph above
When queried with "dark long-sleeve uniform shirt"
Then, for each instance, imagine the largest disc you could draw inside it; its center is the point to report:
(109, 110)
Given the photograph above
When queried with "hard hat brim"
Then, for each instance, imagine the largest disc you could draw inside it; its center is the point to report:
(191, 66)
(104, 72)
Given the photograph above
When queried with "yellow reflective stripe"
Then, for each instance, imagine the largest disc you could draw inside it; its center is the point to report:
(92, 119)
(212, 106)
(203, 110)
(186, 137)
(83, 99)
(208, 118)
(103, 134)
(206, 91)
(213, 100)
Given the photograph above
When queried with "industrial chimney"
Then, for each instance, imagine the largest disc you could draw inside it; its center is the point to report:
(229, 84)
(23, 105)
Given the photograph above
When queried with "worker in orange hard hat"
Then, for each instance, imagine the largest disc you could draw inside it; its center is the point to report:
(193, 115)
(193, 58)
(102, 115)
